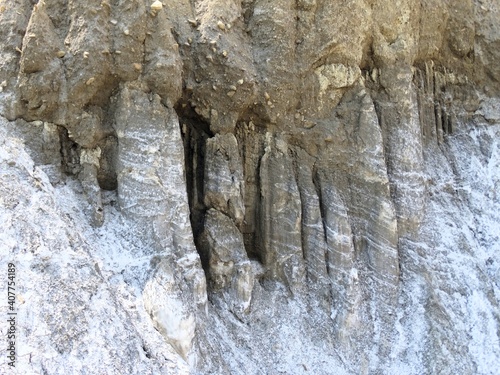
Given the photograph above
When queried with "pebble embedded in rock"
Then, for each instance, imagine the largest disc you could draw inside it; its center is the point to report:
(156, 6)
(221, 25)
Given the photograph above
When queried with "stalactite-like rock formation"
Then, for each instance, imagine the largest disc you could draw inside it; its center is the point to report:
(263, 152)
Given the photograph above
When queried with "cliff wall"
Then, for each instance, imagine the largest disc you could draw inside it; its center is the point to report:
(253, 186)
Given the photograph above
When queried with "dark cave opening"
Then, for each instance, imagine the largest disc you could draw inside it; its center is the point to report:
(195, 132)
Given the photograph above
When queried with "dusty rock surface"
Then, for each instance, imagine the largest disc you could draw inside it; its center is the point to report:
(253, 186)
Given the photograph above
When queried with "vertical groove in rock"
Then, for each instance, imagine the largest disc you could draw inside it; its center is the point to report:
(314, 243)
(195, 134)
(251, 143)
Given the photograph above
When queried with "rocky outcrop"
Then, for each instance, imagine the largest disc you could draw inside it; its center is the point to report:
(150, 167)
(223, 180)
(228, 268)
(280, 216)
(270, 162)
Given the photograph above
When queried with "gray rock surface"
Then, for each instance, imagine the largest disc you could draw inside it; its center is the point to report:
(255, 187)
(229, 270)
(224, 183)
(280, 216)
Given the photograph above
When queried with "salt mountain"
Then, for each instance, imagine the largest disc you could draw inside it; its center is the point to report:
(251, 187)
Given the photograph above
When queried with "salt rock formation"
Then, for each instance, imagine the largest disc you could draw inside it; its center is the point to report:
(221, 186)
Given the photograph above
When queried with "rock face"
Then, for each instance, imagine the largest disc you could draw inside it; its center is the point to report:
(275, 187)
(149, 169)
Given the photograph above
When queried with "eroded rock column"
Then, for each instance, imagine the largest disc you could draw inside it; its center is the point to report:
(152, 194)
(229, 271)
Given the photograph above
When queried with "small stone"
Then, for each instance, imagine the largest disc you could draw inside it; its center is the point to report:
(240, 82)
(251, 126)
(231, 93)
(232, 88)
(90, 81)
(224, 53)
(266, 95)
(193, 23)
(61, 54)
(126, 32)
(137, 66)
(85, 55)
(190, 40)
(114, 22)
(118, 52)
(156, 6)
(309, 124)
(214, 87)
(221, 25)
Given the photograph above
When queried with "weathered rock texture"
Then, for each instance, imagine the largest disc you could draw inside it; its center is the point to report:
(276, 164)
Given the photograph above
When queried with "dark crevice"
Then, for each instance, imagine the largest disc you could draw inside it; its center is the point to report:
(250, 142)
(195, 132)
(106, 175)
(146, 351)
(70, 153)
(296, 166)
(317, 186)
(316, 175)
